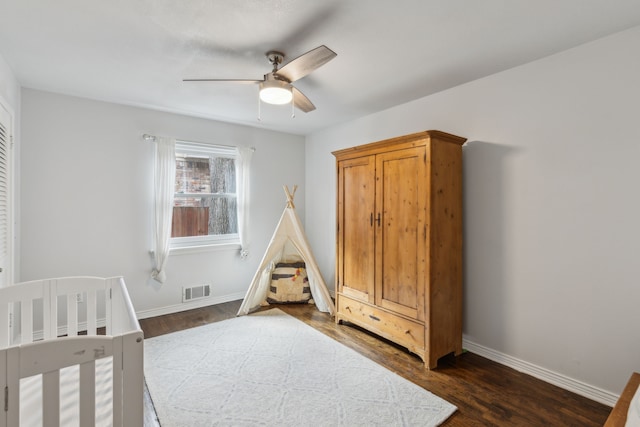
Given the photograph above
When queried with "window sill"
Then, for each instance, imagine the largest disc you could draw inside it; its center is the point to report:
(213, 247)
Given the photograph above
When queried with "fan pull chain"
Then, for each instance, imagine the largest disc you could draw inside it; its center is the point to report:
(259, 109)
(293, 107)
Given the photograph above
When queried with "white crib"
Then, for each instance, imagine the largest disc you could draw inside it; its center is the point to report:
(71, 353)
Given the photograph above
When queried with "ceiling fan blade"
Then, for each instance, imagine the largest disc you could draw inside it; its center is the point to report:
(301, 102)
(222, 80)
(306, 63)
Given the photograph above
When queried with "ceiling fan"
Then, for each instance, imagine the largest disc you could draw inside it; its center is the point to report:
(276, 87)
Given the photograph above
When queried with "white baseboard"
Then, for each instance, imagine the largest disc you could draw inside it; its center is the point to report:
(562, 381)
(176, 308)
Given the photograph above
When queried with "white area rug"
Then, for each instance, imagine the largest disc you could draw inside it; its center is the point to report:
(271, 369)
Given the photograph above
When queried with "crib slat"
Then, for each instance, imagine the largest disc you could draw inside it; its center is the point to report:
(133, 379)
(13, 384)
(26, 326)
(88, 393)
(48, 327)
(72, 315)
(117, 388)
(51, 399)
(116, 309)
(92, 312)
(3, 379)
(4, 324)
(53, 311)
(108, 304)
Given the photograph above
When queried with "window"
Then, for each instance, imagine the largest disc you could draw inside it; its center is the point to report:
(205, 208)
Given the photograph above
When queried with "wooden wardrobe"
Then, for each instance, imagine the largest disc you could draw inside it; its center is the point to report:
(399, 241)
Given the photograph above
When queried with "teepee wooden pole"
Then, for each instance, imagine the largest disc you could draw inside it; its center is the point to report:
(290, 195)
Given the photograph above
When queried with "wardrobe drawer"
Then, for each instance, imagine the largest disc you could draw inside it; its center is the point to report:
(388, 325)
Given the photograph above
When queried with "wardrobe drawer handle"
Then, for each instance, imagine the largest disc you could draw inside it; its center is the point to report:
(377, 319)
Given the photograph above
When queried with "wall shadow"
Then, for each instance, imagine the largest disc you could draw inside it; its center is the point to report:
(485, 287)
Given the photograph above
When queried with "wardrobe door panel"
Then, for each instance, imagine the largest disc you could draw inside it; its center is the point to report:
(401, 203)
(356, 197)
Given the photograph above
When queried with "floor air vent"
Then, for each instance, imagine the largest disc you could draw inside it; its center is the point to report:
(195, 292)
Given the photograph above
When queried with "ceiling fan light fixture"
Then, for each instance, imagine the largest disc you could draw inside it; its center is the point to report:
(276, 92)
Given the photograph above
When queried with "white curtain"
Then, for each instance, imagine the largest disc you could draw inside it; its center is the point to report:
(242, 178)
(164, 188)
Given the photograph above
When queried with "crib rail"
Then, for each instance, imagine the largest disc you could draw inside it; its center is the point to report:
(105, 302)
(49, 325)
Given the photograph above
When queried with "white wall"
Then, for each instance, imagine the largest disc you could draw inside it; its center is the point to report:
(552, 241)
(87, 196)
(9, 87)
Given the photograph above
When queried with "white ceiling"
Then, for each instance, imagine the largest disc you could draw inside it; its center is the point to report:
(137, 52)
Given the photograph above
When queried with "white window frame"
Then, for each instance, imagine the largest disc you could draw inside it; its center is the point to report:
(8, 259)
(202, 149)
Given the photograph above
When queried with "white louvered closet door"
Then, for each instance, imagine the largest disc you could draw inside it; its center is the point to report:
(5, 197)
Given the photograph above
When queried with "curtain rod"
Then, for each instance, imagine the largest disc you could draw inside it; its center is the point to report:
(152, 138)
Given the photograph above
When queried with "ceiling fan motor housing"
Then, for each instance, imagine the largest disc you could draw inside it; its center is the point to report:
(274, 90)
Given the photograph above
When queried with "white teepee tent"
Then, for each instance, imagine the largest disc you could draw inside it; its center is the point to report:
(288, 240)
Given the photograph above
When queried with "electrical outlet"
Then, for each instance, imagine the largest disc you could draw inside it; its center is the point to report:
(79, 298)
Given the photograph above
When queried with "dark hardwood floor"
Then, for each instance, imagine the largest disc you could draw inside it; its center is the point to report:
(486, 393)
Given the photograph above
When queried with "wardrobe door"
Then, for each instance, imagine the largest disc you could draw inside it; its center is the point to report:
(401, 202)
(356, 198)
